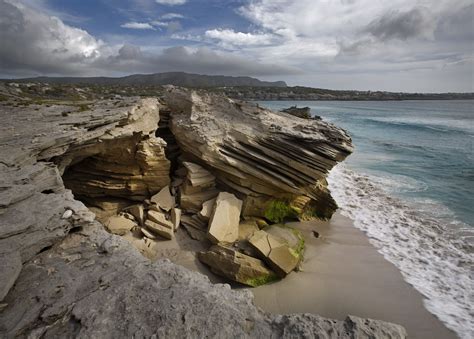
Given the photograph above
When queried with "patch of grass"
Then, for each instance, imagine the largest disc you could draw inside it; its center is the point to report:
(279, 210)
(262, 280)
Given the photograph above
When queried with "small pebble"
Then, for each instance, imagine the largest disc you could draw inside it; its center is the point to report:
(67, 214)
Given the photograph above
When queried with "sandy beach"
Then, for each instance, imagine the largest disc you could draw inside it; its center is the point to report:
(344, 274)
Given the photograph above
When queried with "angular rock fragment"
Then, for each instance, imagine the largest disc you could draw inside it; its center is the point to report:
(193, 202)
(206, 210)
(276, 254)
(247, 228)
(236, 266)
(147, 233)
(194, 226)
(164, 199)
(161, 230)
(138, 212)
(224, 220)
(198, 187)
(287, 235)
(119, 225)
(194, 221)
(160, 218)
(176, 217)
(195, 233)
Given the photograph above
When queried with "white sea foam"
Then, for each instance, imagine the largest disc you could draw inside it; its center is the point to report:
(436, 257)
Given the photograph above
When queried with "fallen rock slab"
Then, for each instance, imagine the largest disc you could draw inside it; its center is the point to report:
(192, 203)
(206, 210)
(224, 220)
(159, 218)
(160, 230)
(119, 225)
(138, 212)
(276, 254)
(175, 218)
(164, 199)
(247, 228)
(236, 266)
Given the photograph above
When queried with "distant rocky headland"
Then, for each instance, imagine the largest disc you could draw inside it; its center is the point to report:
(308, 94)
(94, 183)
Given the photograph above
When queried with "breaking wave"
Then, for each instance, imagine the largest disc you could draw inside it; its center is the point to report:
(433, 251)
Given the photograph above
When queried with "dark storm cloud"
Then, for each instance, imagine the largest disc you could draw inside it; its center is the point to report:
(33, 43)
(400, 25)
(457, 25)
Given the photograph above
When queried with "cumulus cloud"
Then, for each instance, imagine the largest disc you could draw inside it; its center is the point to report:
(137, 25)
(171, 2)
(35, 41)
(171, 16)
(129, 52)
(228, 37)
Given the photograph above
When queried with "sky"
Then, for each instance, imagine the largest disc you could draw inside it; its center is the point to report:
(396, 45)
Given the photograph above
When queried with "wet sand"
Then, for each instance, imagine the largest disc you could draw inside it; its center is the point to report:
(344, 274)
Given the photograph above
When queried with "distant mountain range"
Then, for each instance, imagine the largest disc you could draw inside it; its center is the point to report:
(169, 78)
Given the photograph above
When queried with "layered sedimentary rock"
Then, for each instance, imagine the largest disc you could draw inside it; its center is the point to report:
(260, 154)
(64, 275)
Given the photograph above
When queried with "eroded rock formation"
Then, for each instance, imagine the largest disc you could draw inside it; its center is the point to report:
(259, 154)
(64, 275)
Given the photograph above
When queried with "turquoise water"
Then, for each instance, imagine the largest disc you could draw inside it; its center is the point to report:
(409, 185)
(422, 149)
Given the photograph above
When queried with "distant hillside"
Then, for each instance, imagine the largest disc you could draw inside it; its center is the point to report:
(169, 78)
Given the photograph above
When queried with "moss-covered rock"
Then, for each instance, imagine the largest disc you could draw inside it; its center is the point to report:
(278, 211)
(236, 266)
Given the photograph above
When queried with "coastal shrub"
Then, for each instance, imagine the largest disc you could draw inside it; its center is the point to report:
(279, 210)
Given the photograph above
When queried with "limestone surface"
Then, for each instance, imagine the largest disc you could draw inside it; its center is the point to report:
(65, 276)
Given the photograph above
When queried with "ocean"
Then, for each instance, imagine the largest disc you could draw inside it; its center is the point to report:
(409, 185)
